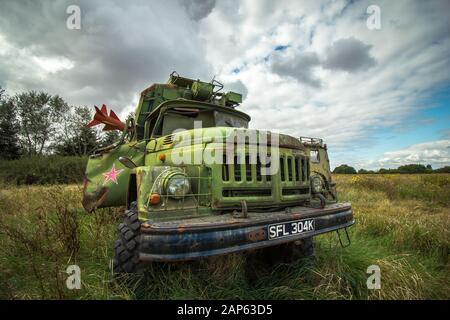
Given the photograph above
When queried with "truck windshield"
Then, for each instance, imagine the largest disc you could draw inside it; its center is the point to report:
(189, 118)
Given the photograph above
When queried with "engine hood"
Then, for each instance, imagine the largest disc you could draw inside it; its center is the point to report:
(227, 134)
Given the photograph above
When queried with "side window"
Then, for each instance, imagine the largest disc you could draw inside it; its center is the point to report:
(157, 127)
(314, 156)
(149, 126)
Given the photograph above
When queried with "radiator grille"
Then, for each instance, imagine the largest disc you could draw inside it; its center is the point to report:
(245, 171)
(294, 168)
(292, 174)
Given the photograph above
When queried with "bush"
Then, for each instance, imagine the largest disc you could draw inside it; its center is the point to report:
(343, 168)
(364, 171)
(43, 170)
(414, 168)
(445, 169)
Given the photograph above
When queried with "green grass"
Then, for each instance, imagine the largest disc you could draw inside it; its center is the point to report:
(402, 226)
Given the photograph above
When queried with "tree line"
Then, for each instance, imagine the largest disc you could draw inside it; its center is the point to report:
(36, 123)
(408, 168)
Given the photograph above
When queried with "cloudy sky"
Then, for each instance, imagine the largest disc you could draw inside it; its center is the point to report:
(379, 97)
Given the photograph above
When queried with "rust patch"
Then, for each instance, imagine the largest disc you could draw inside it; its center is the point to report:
(289, 142)
(216, 203)
(257, 235)
(92, 200)
(146, 225)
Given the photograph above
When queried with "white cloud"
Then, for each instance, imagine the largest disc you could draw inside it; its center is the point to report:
(54, 64)
(397, 66)
(436, 153)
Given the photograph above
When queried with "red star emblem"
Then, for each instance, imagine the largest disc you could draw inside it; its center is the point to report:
(112, 174)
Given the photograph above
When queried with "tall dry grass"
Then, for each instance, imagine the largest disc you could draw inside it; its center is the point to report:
(402, 226)
(413, 211)
(42, 231)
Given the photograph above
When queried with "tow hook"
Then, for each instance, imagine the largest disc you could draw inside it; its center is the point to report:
(348, 242)
(323, 200)
(244, 211)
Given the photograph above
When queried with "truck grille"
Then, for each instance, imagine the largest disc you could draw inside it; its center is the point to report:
(243, 172)
(244, 181)
(290, 169)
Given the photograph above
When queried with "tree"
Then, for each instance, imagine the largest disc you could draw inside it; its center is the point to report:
(343, 168)
(445, 169)
(110, 137)
(75, 138)
(39, 116)
(412, 168)
(9, 129)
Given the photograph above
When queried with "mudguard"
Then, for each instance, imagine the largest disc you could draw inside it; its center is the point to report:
(106, 179)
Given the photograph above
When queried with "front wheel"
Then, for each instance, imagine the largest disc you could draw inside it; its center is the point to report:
(126, 247)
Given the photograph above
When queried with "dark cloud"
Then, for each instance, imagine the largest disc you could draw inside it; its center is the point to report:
(350, 55)
(121, 48)
(198, 9)
(298, 67)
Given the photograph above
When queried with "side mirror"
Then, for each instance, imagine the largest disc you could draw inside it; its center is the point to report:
(127, 162)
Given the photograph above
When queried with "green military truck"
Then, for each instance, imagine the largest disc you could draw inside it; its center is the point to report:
(197, 182)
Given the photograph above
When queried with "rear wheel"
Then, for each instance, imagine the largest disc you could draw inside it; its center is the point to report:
(126, 247)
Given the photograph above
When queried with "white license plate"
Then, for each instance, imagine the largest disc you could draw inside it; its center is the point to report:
(291, 228)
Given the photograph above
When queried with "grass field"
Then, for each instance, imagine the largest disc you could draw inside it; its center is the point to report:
(403, 226)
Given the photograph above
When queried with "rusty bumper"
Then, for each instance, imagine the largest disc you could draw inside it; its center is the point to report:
(198, 238)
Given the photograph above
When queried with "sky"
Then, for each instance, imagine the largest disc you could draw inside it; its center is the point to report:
(377, 93)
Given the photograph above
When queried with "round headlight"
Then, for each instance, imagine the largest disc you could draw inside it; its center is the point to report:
(316, 184)
(177, 185)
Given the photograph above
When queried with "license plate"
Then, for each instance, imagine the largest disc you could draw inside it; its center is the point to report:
(291, 228)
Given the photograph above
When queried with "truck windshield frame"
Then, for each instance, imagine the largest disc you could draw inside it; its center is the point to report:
(183, 118)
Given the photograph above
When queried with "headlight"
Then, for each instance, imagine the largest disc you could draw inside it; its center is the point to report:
(316, 184)
(177, 185)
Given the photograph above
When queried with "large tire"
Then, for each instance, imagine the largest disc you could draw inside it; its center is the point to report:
(126, 247)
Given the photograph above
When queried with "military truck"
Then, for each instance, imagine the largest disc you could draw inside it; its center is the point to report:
(181, 205)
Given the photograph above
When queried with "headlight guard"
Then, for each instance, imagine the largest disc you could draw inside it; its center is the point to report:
(176, 184)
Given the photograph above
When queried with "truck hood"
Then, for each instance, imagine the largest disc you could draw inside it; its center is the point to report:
(228, 134)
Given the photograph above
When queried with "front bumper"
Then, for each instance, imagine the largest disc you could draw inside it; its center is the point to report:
(203, 237)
